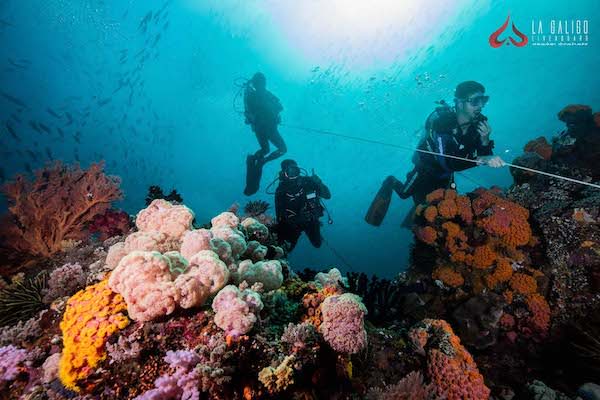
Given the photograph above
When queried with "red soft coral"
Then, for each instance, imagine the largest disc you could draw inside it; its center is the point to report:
(56, 206)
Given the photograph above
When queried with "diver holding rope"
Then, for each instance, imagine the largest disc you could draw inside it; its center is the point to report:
(462, 132)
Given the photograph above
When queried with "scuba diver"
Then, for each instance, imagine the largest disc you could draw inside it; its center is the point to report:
(298, 205)
(462, 131)
(261, 111)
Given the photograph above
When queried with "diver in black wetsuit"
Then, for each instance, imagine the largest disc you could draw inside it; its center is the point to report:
(298, 205)
(261, 109)
(461, 131)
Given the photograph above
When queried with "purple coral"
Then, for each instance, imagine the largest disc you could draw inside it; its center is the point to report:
(182, 384)
(10, 358)
(64, 281)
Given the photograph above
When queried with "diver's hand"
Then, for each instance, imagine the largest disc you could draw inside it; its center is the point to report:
(491, 161)
(485, 131)
(315, 177)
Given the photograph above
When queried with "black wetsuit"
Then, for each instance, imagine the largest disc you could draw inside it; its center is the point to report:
(298, 208)
(262, 110)
(432, 172)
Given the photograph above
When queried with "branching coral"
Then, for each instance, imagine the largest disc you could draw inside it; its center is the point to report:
(411, 387)
(56, 206)
(92, 315)
(279, 378)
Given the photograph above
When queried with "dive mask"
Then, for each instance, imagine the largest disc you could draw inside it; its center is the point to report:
(478, 101)
(292, 172)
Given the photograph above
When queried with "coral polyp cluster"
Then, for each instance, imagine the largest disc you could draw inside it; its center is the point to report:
(91, 316)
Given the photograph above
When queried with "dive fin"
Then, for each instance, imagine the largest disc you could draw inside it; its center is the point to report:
(253, 174)
(379, 205)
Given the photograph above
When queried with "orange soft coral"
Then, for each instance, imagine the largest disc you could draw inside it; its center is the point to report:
(447, 208)
(312, 303)
(483, 257)
(539, 146)
(523, 284)
(449, 365)
(463, 203)
(540, 313)
(91, 316)
(449, 276)
(430, 213)
(56, 206)
(435, 196)
(502, 273)
(426, 234)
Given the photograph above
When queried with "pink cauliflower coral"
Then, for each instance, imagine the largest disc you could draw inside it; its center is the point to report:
(236, 310)
(343, 323)
(225, 219)
(144, 280)
(205, 276)
(115, 253)
(234, 239)
(150, 241)
(162, 216)
(195, 241)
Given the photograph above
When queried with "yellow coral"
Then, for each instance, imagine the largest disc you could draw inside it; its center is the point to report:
(279, 378)
(91, 316)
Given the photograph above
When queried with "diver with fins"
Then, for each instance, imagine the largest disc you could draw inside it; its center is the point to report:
(261, 111)
(461, 131)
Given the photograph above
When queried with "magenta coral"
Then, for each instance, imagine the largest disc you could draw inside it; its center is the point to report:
(56, 206)
(343, 323)
(111, 223)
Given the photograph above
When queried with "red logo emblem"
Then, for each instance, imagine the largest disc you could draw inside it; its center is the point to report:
(495, 43)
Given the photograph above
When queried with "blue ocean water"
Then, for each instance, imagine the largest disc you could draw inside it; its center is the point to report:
(153, 89)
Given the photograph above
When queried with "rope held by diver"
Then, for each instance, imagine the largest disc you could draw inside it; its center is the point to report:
(440, 154)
